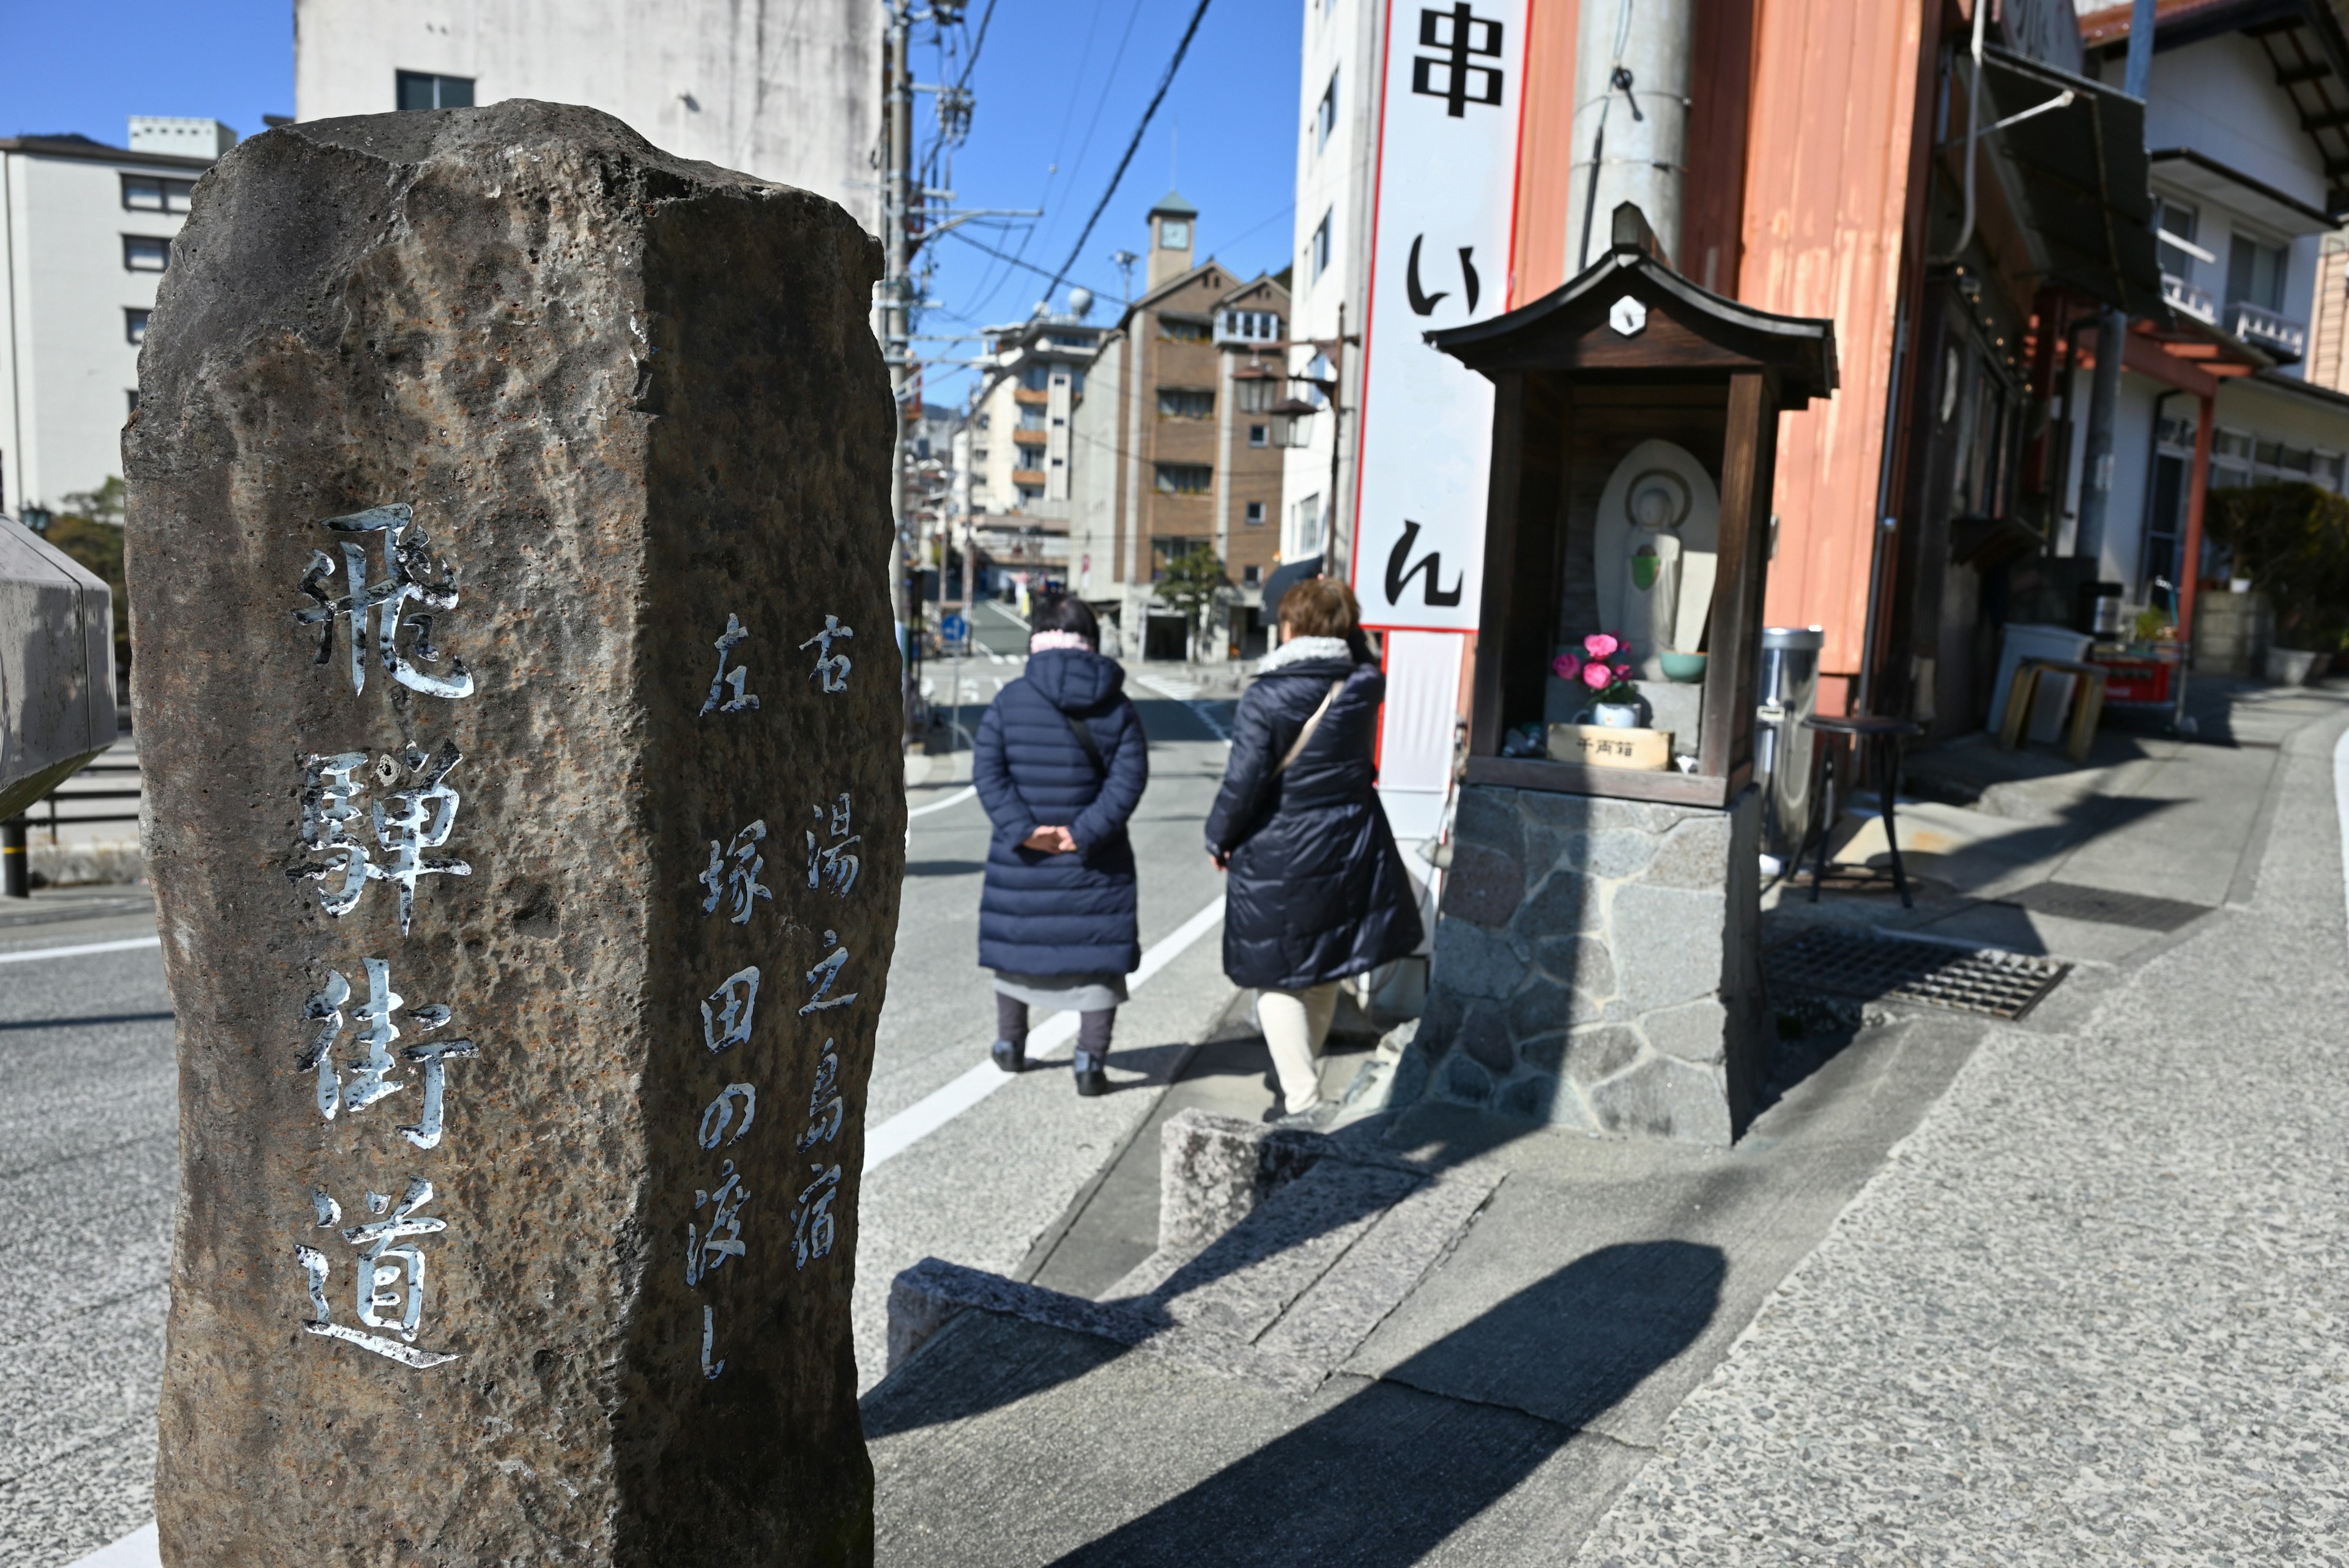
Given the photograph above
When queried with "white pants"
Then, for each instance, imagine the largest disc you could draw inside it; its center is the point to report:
(1295, 1024)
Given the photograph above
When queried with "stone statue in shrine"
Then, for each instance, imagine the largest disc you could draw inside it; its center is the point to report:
(1654, 552)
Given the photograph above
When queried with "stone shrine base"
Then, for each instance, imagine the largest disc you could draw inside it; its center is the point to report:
(1597, 966)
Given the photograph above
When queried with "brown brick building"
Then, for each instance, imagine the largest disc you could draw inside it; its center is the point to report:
(1177, 444)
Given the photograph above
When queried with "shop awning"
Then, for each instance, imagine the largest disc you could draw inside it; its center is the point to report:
(2078, 175)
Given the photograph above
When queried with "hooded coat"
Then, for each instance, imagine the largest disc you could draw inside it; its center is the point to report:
(1072, 914)
(1316, 889)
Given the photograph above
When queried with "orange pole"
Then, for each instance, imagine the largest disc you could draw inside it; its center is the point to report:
(2198, 482)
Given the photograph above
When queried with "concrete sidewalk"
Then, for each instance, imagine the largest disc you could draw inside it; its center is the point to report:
(2083, 1306)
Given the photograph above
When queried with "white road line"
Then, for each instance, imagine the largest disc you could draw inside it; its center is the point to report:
(2341, 798)
(139, 1549)
(957, 798)
(80, 948)
(926, 1115)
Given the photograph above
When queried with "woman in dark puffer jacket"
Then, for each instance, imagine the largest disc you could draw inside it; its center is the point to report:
(1317, 890)
(1061, 763)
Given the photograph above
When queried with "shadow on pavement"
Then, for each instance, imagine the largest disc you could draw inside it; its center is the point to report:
(1390, 1472)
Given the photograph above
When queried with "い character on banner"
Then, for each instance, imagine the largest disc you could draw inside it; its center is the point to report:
(733, 875)
(411, 575)
(829, 861)
(718, 701)
(369, 1069)
(830, 668)
(419, 817)
(827, 970)
(390, 1276)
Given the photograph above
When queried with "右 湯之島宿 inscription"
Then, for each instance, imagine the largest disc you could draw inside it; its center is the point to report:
(509, 512)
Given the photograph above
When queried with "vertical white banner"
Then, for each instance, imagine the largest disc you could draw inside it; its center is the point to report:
(1415, 733)
(1440, 243)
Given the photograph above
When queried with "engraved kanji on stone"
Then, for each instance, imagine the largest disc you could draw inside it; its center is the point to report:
(825, 1104)
(827, 970)
(830, 860)
(726, 1014)
(390, 1276)
(830, 668)
(411, 574)
(719, 701)
(369, 1068)
(328, 786)
(812, 1224)
(407, 822)
(733, 875)
(706, 1251)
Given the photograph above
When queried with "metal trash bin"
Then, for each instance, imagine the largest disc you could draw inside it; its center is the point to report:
(1787, 688)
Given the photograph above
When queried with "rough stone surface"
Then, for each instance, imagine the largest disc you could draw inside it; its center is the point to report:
(626, 397)
(1485, 886)
(1623, 992)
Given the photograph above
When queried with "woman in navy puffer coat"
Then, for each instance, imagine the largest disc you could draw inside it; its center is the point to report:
(1056, 920)
(1317, 891)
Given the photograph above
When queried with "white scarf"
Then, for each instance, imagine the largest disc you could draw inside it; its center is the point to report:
(1298, 649)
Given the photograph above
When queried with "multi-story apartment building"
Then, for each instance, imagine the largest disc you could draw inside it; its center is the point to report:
(1022, 419)
(87, 238)
(1179, 443)
(781, 88)
(1337, 152)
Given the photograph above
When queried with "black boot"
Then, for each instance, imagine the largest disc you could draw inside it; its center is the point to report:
(1011, 1055)
(1093, 1077)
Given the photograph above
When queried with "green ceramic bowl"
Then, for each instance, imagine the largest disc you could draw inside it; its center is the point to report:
(1688, 669)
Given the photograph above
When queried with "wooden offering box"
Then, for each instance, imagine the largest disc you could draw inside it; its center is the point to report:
(1635, 425)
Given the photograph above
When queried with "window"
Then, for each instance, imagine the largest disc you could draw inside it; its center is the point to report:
(134, 327)
(1307, 524)
(1259, 435)
(1185, 478)
(1255, 514)
(142, 253)
(1256, 394)
(1174, 234)
(1184, 328)
(983, 420)
(978, 454)
(1251, 577)
(1249, 327)
(1036, 378)
(144, 193)
(1031, 418)
(1186, 403)
(1076, 383)
(1060, 463)
(2255, 272)
(417, 89)
(1322, 245)
(2176, 221)
(1167, 548)
(1325, 117)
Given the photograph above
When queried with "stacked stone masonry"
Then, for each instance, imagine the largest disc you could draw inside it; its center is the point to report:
(1597, 966)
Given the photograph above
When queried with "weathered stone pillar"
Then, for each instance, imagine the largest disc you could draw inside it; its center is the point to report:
(509, 550)
(1597, 965)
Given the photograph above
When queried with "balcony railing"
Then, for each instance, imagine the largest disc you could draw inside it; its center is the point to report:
(2190, 300)
(2280, 335)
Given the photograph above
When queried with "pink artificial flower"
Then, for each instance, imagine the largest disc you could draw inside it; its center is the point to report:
(1566, 666)
(1598, 645)
(1622, 672)
(1597, 676)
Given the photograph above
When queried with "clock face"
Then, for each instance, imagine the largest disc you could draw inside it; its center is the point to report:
(1174, 234)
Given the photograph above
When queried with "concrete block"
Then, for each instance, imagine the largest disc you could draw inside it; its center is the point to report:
(1667, 943)
(1213, 1172)
(1693, 1031)
(1663, 1098)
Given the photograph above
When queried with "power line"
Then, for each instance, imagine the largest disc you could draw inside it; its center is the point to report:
(1000, 255)
(1133, 146)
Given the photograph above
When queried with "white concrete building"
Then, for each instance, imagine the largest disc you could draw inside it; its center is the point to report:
(2245, 187)
(1337, 158)
(87, 234)
(1020, 456)
(789, 91)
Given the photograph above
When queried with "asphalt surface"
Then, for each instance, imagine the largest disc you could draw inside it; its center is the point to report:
(89, 1141)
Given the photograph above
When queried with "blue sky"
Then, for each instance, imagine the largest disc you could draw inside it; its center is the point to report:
(1058, 89)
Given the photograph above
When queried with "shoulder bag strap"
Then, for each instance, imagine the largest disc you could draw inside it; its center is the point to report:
(1084, 732)
(1311, 724)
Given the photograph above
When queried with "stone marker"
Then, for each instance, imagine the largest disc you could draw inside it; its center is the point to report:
(509, 540)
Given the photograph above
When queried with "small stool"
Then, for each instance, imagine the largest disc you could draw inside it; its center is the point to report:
(2088, 703)
(1886, 734)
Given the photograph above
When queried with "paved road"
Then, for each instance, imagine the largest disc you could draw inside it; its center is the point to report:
(88, 1146)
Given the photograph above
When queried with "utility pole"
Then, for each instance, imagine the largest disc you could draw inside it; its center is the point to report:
(896, 333)
(2112, 341)
(1332, 388)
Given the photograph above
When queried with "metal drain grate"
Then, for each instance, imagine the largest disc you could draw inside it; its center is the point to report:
(1874, 967)
(2071, 902)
